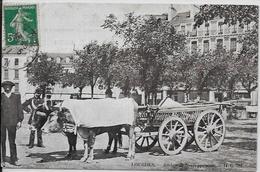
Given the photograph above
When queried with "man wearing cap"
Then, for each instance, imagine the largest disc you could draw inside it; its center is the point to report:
(11, 120)
(30, 106)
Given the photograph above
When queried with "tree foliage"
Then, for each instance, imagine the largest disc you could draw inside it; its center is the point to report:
(44, 72)
(126, 70)
(151, 41)
(245, 65)
(244, 14)
(108, 55)
(87, 68)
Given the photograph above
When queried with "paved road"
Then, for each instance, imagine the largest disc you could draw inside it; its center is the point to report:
(237, 153)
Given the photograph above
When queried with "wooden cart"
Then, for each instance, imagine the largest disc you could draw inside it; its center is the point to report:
(175, 128)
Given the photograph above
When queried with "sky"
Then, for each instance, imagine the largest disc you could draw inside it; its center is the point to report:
(65, 25)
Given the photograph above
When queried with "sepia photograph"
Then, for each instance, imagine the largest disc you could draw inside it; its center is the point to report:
(121, 85)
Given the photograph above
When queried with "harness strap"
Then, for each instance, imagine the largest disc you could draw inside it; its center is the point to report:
(33, 105)
(70, 128)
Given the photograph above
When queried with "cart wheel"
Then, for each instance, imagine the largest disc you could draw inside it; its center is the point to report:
(145, 143)
(209, 130)
(173, 135)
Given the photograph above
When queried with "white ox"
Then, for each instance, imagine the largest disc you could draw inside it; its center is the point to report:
(94, 117)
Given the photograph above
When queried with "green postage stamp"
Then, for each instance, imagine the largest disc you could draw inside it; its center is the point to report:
(21, 25)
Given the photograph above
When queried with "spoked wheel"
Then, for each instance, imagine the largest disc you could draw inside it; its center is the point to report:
(173, 135)
(209, 130)
(145, 143)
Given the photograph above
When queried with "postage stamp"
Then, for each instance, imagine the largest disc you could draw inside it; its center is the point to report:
(21, 25)
(162, 86)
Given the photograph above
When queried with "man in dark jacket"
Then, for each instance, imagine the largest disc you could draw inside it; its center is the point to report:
(11, 119)
(30, 106)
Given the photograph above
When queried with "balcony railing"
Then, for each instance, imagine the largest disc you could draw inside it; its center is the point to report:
(224, 31)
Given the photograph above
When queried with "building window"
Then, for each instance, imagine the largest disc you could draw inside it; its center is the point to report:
(6, 74)
(206, 46)
(193, 46)
(233, 44)
(194, 31)
(16, 74)
(6, 62)
(207, 28)
(219, 43)
(16, 61)
(16, 87)
(220, 27)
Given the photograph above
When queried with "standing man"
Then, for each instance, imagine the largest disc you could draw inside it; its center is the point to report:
(11, 120)
(30, 106)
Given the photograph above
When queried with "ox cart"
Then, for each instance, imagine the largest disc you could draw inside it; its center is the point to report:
(177, 127)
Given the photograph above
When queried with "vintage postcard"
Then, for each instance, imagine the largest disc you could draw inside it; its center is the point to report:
(111, 85)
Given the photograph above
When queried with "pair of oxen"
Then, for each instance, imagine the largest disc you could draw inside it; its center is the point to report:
(62, 120)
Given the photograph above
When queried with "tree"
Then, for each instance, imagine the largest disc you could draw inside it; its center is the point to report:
(126, 70)
(107, 53)
(244, 15)
(75, 79)
(44, 72)
(151, 40)
(248, 71)
(87, 67)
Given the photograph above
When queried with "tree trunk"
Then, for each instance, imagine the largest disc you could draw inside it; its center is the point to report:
(126, 87)
(80, 92)
(146, 97)
(231, 88)
(249, 93)
(170, 92)
(92, 91)
(109, 92)
(155, 98)
(43, 87)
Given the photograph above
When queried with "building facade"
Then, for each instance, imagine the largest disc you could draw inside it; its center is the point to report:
(13, 68)
(203, 39)
(209, 35)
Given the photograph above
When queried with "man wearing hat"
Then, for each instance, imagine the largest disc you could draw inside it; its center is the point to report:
(30, 106)
(11, 119)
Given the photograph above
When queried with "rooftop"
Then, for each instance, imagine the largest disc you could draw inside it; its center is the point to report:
(183, 17)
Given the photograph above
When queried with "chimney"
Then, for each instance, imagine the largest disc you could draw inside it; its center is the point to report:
(172, 13)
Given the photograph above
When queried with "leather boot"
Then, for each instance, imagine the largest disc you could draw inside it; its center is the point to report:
(31, 139)
(39, 138)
